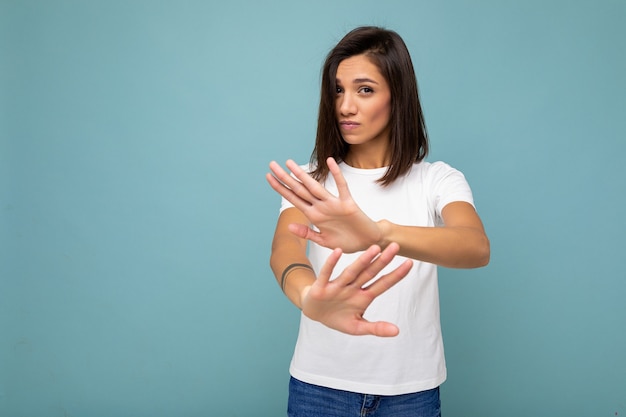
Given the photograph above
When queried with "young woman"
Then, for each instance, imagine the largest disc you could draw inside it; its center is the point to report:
(361, 230)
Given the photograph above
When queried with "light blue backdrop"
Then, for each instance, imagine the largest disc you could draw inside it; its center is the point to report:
(136, 222)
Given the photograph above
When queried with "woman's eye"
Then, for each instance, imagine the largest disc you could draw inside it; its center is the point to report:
(338, 90)
(366, 90)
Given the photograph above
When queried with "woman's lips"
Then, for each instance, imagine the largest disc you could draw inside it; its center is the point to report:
(348, 125)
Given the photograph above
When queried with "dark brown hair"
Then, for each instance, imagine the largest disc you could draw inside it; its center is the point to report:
(408, 138)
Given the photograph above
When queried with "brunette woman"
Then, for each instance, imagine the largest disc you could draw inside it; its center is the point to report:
(362, 229)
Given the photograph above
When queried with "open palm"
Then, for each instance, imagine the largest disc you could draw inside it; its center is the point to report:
(341, 303)
(340, 221)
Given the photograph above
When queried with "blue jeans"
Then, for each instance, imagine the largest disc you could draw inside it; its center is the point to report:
(306, 400)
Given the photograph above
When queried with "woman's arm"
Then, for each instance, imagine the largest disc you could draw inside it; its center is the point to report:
(288, 249)
(460, 243)
(340, 303)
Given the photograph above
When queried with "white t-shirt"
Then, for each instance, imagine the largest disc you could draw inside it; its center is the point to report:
(414, 360)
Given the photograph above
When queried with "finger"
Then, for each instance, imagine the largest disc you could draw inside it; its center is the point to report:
(289, 181)
(383, 260)
(389, 280)
(313, 187)
(377, 264)
(379, 328)
(390, 252)
(286, 192)
(359, 272)
(342, 185)
(303, 231)
(327, 269)
(284, 177)
(276, 184)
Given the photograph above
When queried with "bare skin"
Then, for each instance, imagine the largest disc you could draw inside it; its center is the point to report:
(341, 303)
(462, 243)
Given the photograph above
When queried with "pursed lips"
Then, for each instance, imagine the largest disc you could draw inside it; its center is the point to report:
(348, 124)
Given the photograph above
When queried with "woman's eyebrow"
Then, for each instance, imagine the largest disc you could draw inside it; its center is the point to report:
(358, 81)
(363, 80)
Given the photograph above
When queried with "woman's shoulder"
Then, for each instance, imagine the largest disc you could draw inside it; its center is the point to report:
(435, 168)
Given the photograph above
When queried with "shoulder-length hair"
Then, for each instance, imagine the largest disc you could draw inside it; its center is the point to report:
(408, 138)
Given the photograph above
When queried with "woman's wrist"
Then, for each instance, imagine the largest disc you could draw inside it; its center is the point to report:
(295, 281)
(290, 268)
(384, 226)
(303, 295)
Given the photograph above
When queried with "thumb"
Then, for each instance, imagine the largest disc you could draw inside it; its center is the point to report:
(379, 328)
(385, 329)
(301, 230)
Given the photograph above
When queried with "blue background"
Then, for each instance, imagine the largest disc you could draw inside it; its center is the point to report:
(136, 221)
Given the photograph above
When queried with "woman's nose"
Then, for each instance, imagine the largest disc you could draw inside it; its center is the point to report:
(347, 105)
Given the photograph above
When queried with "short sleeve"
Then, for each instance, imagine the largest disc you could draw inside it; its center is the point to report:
(284, 204)
(448, 185)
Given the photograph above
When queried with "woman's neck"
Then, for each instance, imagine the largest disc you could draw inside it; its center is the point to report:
(358, 157)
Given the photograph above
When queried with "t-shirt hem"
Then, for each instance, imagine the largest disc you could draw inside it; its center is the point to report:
(365, 388)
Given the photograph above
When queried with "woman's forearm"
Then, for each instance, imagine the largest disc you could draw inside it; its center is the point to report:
(448, 246)
(292, 276)
(460, 243)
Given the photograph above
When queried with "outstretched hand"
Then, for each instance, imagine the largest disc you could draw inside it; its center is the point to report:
(340, 221)
(341, 303)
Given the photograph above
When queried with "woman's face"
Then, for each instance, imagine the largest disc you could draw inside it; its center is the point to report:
(363, 104)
